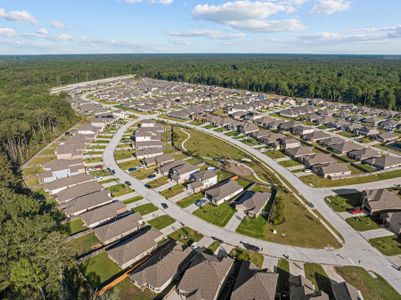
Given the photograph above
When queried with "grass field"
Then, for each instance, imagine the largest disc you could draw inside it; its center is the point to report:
(362, 223)
(388, 245)
(99, 269)
(133, 199)
(217, 215)
(172, 191)
(186, 235)
(161, 222)
(145, 209)
(371, 288)
(119, 190)
(316, 181)
(344, 202)
(300, 228)
(246, 255)
(318, 276)
(188, 201)
(84, 243)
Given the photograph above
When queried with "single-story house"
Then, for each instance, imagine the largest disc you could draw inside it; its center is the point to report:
(102, 214)
(252, 203)
(86, 202)
(332, 171)
(384, 162)
(380, 200)
(183, 172)
(223, 192)
(362, 154)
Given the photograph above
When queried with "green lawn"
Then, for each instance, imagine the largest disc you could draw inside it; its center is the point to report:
(158, 182)
(275, 154)
(172, 191)
(362, 223)
(41, 160)
(93, 160)
(217, 215)
(129, 164)
(188, 201)
(145, 209)
(344, 202)
(388, 245)
(261, 188)
(246, 255)
(128, 291)
(84, 243)
(371, 288)
(123, 154)
(143, 173)
(196, 123)
(99, 269)
(231, 133)
(119, 190)
(75, 226)
(318, 276)
(161, 222)
(222, 175)
(220, 129)
(186, 235)
(289, 163)
(299, 228)
(31, 181)
(250, 141)
(209, 126)
(214, 246)
(108, 180)
(317, 181)
(102, 172)
(32, 171)
(133, 199)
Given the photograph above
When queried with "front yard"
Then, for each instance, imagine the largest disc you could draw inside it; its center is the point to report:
(217, 215)
(172, 191)
(119, 190)
(246, 255)
(186, 235)
(318, 276)
(161, 222)
(188, 201)
(158, 182)
(145, 209)
(362, 223)
(345, 202)
(388, 245)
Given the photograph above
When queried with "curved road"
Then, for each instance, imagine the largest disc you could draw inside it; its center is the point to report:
(356, 250)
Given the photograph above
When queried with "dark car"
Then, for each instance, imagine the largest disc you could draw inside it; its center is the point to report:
(310, 204)
(147, 186)
(164, 205)
(131, 169)
(151, 176)
(127, 183)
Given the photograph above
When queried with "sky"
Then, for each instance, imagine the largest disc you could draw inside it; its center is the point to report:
(200, 26)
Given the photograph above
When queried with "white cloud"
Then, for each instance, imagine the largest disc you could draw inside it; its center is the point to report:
(165, 2)
(330, 7)
(57, 25)
(213, 34)
(42, 31)
(132, 1)
(181, 42)
(248, 15)
(7, 32)
(17, 16)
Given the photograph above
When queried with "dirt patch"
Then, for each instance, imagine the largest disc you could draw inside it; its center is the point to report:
(238, 169)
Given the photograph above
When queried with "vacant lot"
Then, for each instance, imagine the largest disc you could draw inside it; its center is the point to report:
(299, 228)
(217, 215)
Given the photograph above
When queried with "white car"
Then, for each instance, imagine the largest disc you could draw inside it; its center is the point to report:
(194, 245)
(308, 171)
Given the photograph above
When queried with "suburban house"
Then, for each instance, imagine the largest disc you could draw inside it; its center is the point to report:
(60, 168)
(371, 121)
(183, 172)
(300, 152)
(148, 153)
(148, 144)
(332, 171)
(288, 143)
(362, 154)
(58, 185)
(343, 290)
(165, 169)
(148, 123)
(302, 130)
(252, 283)
(315, 136)
(384, 162)
(204, 277)
(158, 160)
(131, 251)
(387, 136)
(318, 159)
(272, 140)
(162, 268)
(223, 192)
(331, 141)
(118, 229)
(102, 214)
(380, 200)
(303, 288)
(78, 190)
(248, 128)
(388, 124)
(202, 180)
(88, 129)
(86, 202)
(392, 220)
(252, 203)
(345, 147)
(146, 135)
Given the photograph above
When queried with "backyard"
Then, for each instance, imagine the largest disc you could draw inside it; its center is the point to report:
(99, 269)
(84, 243)
(345, 202)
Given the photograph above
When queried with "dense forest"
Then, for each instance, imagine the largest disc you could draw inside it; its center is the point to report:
(34, 259)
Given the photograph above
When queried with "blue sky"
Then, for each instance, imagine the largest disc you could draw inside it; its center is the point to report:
(198, 26)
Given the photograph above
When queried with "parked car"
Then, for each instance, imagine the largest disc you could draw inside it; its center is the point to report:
(356, 210)
(127, 183)
(310, 204)
(148, 186)
(194, 245)
(164, 205)
(200, 202)
(151, 176)
(308, 171)
(131, 169)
